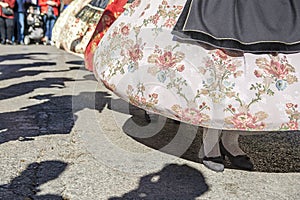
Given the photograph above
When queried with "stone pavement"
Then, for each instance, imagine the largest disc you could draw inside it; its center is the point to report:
(64, 136)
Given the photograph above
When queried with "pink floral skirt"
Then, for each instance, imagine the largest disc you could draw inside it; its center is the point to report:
(140, 61)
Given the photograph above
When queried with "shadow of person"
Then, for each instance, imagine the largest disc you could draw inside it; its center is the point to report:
(75, 62)
(19, 70)
(19, 56)
(56, 115)
(172, 182)
(26, 185)
(28, 87)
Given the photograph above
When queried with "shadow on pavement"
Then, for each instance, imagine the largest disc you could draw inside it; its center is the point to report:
(172, 182)
(19, 56)
(17, 70)
(26, 185)
(19, 89)
(76, 62)
(52, 114)
(56, 115)
(276, 152)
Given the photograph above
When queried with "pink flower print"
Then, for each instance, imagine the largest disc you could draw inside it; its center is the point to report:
(114, 34)
(257, 73)
(293, 125)
(208, 62)
(289, 105)
(155, 95)
(164, 2)
(170, 23)
(237, 74)
(155, 19)
(231, 67)
(135, 3)
(193, 116)
(221, 54)
(166, 61)
(277, 69)
(143, 100)
(125, 30)
(180, 68)
(135, 53)
(244, 121)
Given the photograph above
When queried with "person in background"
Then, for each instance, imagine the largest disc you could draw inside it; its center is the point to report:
(20, 20)
(50, 10)
(7, 22)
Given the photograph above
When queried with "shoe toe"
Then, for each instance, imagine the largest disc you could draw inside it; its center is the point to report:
(242, 162)
(217, 167)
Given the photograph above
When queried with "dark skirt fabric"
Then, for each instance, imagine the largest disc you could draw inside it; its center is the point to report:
(247, 25)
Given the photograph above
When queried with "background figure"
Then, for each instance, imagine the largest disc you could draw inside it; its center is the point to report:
(35, 26)
(20, 20)
(50, 10)
(6, 22)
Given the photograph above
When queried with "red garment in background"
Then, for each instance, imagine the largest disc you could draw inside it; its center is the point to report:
(111, 13)
(44, 6)
(11, 4)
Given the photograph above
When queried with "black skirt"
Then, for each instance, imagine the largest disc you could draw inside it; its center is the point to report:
(247, 25)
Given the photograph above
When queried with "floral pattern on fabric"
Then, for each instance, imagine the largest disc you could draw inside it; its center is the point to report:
(77, 32)
(277, 71)
(110, 14)
(219, 70)
(81, 29)
(65, 18)
(139, 57)
(292, 110)
(138, 97)
(165, 61)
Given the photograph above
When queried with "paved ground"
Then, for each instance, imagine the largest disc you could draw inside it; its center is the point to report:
(63, 136)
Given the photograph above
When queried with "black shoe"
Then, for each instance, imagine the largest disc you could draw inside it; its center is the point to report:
(240, 161)
(214, 163)
(150, 117)
(3, 42)
(147, 117)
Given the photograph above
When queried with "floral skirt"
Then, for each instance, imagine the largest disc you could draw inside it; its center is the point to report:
(247, 25)
(65, 18)
(110, 14)
(80, 28)
(140, 61)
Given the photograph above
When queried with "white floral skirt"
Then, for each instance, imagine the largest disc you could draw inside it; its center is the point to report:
(64, 19)
(77, 33)
(139, 60)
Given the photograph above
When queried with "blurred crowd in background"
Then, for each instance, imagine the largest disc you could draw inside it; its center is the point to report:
(24, 19)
